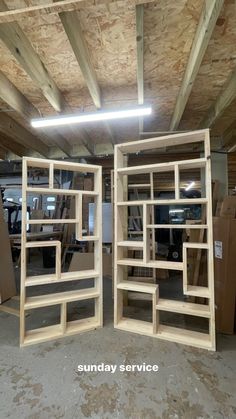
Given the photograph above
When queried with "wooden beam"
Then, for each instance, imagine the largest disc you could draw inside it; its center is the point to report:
(21, 135)
(140, 61)
(9, 144)
(2, 153)
(224, 99)
(21, 48)
(73, 29)
(210, 13)
(57, 7)
(17, 101)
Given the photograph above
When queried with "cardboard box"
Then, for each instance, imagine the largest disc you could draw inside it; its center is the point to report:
(228, 207)
(224, 235)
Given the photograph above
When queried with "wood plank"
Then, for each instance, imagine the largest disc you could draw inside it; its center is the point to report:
(57, 7)
(131, 243)
(160, 264)
(64, 277)
(174, 306)
(162, 142)
(136, 326)
(60, 297)
(137, 286)
(225, 98)
(182, 201)
(181, 226)
(210, 13)
(197, 291)
(73, 29)
(163, 167)
(184, 336)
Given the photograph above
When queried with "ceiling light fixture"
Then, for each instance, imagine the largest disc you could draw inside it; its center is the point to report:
(190, 186)
(91, 117)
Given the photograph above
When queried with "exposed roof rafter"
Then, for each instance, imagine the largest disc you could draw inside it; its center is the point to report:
(210, 13)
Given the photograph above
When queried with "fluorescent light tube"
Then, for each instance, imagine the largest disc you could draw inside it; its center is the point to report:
(90, 117)
(190, 186)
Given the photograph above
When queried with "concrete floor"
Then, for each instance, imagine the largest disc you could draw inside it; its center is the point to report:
(42, 382)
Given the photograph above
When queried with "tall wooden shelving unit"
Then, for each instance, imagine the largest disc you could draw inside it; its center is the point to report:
(64, 328)
(122, 244)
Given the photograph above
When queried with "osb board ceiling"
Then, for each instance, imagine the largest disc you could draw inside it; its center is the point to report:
(110, 33)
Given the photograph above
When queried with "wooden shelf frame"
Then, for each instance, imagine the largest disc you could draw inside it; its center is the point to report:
(122, 284)
(64, 328)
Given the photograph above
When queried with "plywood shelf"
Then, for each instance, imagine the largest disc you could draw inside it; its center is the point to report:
(60, 297)
(137, 286)
(160, 264)
(65, 276)
(199, 310)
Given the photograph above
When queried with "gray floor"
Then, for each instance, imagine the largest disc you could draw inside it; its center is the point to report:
(42, 381)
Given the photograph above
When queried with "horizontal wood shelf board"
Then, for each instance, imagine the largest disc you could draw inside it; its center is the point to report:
(138, 326)
(164, 141)
(187, 337)
(139, 185)
(65, 276)
(181, 226)
(70, 166)
(189, 245)
(53, 221)
(54, 332)
(197, 291)
(82, 325)
(160, 264)
(131, 243)
(182, 307)
(49, 243)
(162, 167)
(61, 297)
(137, 286)
(54, 191)
(89, 238)
(164, 202)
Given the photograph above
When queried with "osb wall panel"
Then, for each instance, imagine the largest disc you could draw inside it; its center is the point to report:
(217, 65)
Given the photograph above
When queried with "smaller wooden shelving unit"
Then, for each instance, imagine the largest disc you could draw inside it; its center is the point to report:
(122, 244)
(65, 327)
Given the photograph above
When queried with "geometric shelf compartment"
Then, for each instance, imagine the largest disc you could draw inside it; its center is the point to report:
(65, 327)
(122, 282)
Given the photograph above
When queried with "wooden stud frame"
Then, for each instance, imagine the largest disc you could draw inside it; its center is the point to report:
(121, 280)
(64, 328)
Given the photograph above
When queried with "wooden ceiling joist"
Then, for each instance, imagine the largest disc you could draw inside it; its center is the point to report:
(9, 144)
(56, 7)
(74, 32)
(17, 101)
(2, 153)
(224, 99)
(210, 13)
(18, 133)
(140, 59)
(21, 48)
